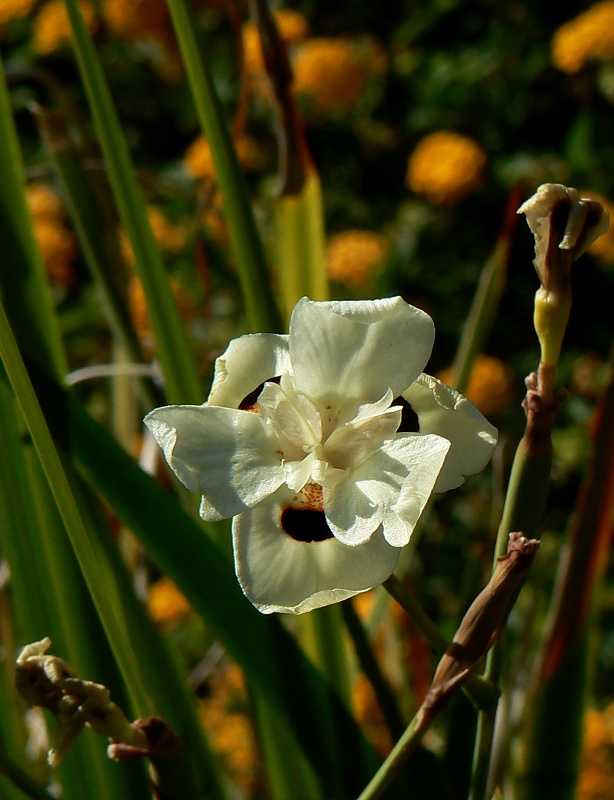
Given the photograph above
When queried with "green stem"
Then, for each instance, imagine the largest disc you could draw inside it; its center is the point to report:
(481, 692)
(397, 757)
(555, 730)
(523, 510)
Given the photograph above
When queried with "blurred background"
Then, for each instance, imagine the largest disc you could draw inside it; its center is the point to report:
(428, 123)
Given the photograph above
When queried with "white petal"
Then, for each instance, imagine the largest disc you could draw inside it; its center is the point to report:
(357, 349)
(448, 413)
(279, 574)
(397, 480)
(248, 361)
(355, 508)
(226, 454)
(298, 472)
(429, 456)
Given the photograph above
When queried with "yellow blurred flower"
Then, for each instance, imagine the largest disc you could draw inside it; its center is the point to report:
(491, 384)
(229, 728)
(369, 715)
(147, 21)
(138, 19)
(166, 603)
(445, 166)
(58, 248)
(52, 28)
(596, 782)
(352, 256)
(334, 72)
(44, 202)
(140, 315)
(10, 9)
(584, 38)
(55, 240)
(293, 28)
(198, 159)
(596, 779)
(169, 236)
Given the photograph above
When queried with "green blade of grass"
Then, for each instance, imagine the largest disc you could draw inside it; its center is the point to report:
(553, 745)
(191, 771)
(262, 312)
(50, 597)
(21, 781)
(22, 277)
(180, 374)
(92, 228)
(270, 657)
(98, 571)
(31, 518)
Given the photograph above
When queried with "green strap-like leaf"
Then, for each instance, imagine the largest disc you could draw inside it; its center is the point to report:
(180, 375)
(262, 312)
(268, 654)
(22, 276)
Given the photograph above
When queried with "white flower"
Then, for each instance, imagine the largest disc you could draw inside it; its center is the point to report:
(324, 445)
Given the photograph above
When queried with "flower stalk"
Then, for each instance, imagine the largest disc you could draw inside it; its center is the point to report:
(479, 628)
(299, 214)
(554, 735)
(564, 225)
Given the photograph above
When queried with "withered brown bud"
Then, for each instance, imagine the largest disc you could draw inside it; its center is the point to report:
(564, 225)
(483, 620)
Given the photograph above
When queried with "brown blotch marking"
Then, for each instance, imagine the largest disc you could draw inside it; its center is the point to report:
(250, 401)
(305, 524)
(409, 418)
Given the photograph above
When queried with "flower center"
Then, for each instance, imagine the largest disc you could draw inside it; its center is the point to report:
(318, 445)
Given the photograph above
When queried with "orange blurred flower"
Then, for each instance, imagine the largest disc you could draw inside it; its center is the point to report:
(445, 166)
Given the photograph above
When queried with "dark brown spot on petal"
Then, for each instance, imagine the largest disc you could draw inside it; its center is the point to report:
(250, 401)
(305, 525)
(409, 418)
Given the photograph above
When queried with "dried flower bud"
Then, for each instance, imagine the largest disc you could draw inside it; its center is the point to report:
(564, 225)
(483, 620)
(561, 220)
(47, 681)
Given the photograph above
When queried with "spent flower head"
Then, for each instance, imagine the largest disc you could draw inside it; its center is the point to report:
(324, 446)
(564, 225)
